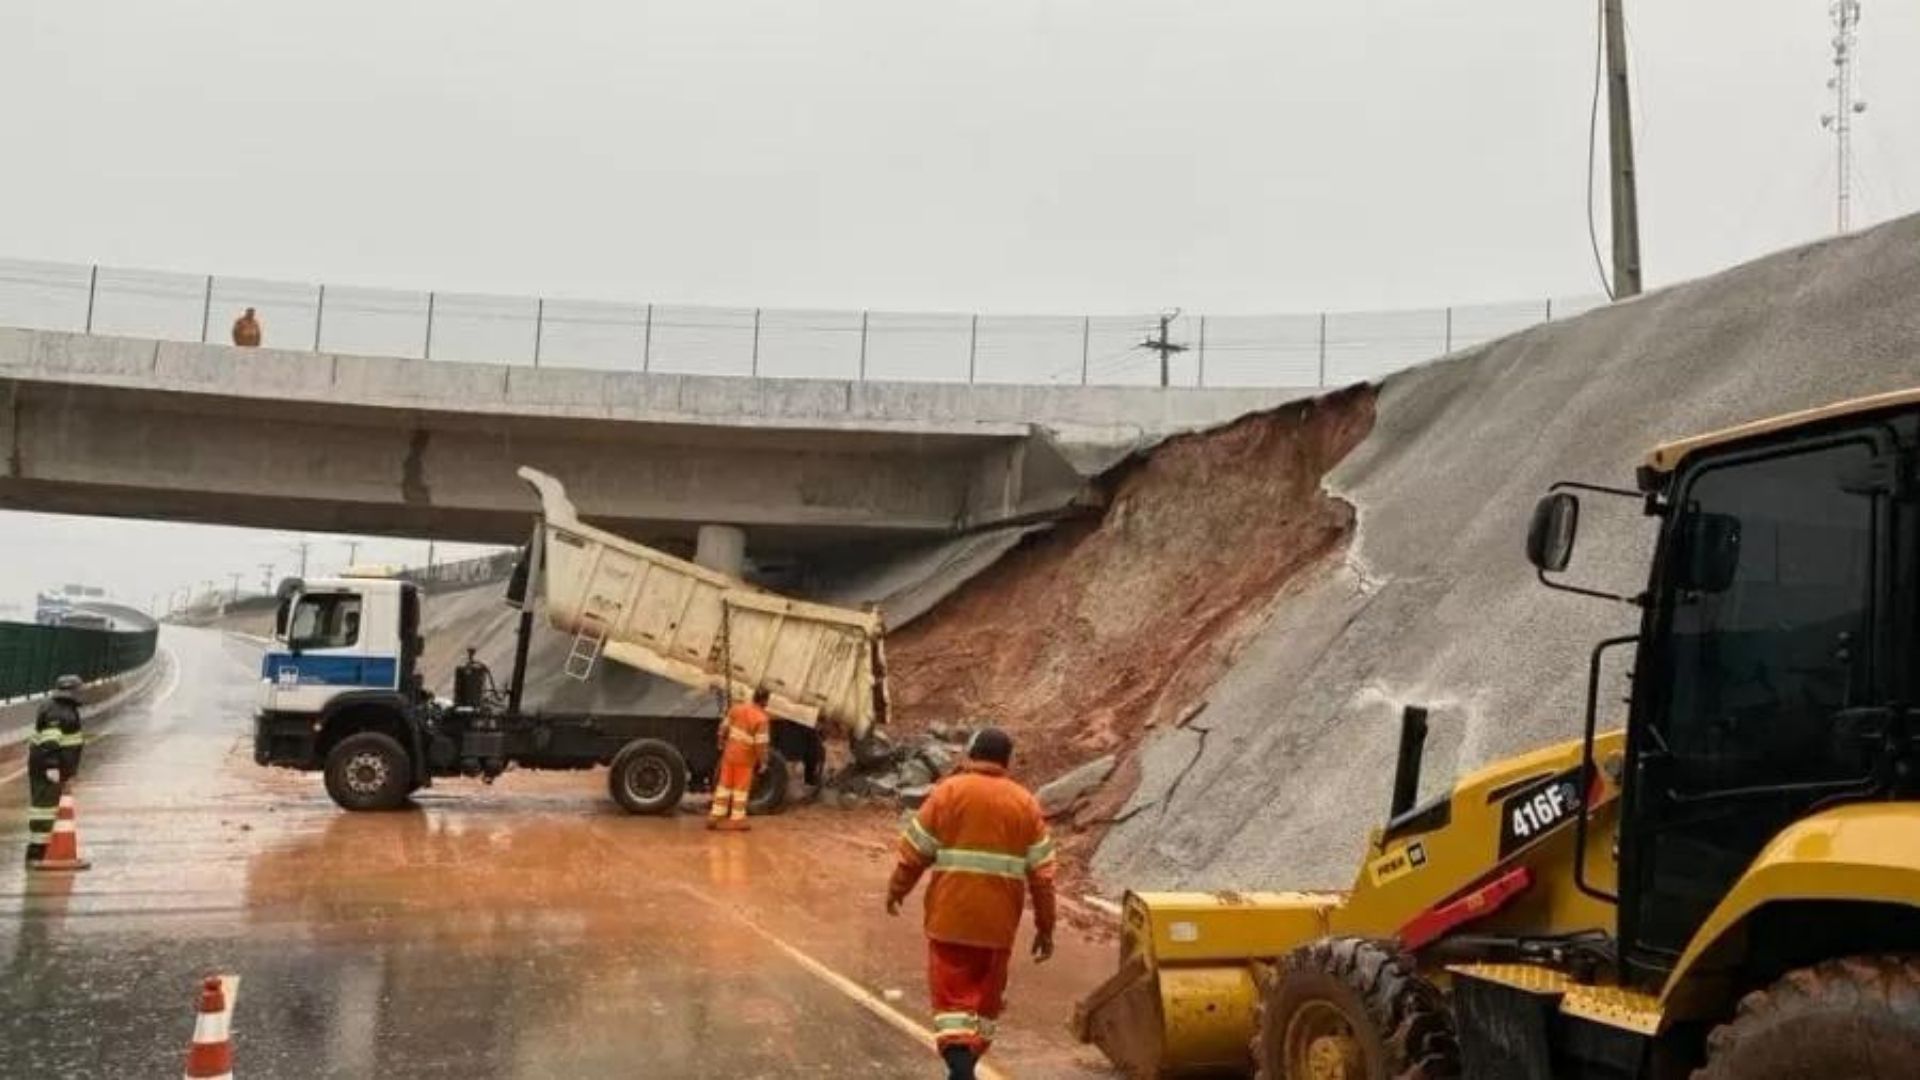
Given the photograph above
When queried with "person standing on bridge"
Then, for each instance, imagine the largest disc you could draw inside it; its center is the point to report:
(53, 760)
(986, 841)
(745, 738)
(246, 331)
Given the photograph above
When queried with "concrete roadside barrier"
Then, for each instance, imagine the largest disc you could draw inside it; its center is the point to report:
(99, 701)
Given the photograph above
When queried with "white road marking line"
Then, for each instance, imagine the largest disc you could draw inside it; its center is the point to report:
(860, 995)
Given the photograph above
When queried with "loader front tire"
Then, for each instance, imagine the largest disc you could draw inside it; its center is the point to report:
(1854, 1017)
(1352, 1009)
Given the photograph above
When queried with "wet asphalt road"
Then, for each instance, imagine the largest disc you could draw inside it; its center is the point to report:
(525, 930)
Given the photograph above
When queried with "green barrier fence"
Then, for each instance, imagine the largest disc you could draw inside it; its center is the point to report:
(32, 655)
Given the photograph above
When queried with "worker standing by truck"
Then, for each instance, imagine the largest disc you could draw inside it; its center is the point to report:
(986, 840)
(746, 734)
(53, 760)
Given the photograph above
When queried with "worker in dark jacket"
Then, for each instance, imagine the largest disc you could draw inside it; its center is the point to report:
(53, 759)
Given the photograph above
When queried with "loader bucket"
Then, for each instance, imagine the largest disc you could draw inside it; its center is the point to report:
(1195, 1021)
(1184, 1000)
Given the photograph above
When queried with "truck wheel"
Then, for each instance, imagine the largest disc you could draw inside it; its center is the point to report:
(769, 792)
(1352, 1009)
(369, 771)
(1854, 1017)
(648, 777)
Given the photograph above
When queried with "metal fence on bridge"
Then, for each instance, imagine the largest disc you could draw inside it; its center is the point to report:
(33, 655)
(1304, 349)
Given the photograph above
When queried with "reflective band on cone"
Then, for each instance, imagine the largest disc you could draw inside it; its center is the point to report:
(211, 1055)
(63, 846)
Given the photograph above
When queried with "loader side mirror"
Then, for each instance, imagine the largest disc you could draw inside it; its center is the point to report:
(1709, 554)
(1550, 535)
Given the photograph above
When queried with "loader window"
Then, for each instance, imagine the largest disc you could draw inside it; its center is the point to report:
(1755, 668)
(1758, 668)
(326, 621)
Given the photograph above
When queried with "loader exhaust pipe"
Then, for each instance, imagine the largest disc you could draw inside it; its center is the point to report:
(1406, 774)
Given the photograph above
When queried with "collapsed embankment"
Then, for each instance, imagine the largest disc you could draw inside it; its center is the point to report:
(1277, 783)
(1256, 631)
(1086, 638)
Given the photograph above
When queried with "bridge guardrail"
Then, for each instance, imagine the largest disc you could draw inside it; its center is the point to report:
(1293, 350)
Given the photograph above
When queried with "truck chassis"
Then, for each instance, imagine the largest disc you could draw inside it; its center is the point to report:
(377, 747)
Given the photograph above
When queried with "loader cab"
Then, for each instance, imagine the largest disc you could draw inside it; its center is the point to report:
(356, 634)
(1769, 668)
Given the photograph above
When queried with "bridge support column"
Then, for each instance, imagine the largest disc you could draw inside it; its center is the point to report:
(722, 548)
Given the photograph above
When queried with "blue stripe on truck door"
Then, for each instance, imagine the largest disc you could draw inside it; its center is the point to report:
(322, 670)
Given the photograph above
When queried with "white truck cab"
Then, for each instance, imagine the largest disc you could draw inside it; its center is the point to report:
(339, 636)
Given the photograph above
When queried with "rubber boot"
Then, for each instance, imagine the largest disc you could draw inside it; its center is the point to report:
(960, 1062)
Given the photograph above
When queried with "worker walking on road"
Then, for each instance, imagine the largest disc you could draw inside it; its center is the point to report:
(246, 331)
(53, 760)
(985, 839)
(745, 738)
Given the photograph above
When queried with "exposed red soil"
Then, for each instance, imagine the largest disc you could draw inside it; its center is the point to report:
(1087, 637)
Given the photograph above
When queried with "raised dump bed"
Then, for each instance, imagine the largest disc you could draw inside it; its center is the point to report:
(822, 666)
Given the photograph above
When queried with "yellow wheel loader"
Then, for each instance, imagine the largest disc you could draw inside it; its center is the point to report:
(1727, 887)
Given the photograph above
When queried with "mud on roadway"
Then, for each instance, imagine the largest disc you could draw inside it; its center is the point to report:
(526, 929)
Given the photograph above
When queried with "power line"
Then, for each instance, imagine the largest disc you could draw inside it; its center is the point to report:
(1164, 347)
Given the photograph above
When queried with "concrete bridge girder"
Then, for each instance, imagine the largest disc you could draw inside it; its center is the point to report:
(322, 442)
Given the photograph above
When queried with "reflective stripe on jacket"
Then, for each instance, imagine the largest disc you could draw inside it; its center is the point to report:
(985, 840)
(745, 735)
(56, 739)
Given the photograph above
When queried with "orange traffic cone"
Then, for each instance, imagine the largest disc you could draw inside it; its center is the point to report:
(63, 848)
(211, 1055)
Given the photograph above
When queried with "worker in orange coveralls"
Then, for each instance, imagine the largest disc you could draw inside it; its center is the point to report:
(986, 841)
(745, 737)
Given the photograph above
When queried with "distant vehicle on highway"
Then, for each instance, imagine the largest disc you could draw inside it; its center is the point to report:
(51, 607)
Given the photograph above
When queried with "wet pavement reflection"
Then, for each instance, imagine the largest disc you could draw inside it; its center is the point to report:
(528, 929)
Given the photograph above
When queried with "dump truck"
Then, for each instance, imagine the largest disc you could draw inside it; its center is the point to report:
(341, 694)
(1727, 886)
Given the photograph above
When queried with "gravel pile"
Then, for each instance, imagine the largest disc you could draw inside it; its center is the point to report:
(1277, 783)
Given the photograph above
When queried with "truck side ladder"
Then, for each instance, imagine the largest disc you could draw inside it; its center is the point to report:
(588, 641)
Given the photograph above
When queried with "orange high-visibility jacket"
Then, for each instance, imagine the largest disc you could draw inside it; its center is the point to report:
(745, 735)
(986, 841)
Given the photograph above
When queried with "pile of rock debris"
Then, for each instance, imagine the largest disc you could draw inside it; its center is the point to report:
(905, 772)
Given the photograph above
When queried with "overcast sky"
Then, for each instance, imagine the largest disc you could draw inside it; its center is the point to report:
(1095, 155)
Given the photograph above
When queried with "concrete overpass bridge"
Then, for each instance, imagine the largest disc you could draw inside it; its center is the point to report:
(135, 427)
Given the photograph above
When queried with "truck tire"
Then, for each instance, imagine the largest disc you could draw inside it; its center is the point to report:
(648, 776)
(1352, 1009)
(369, 771)
(1854, 1017)
(770, 788)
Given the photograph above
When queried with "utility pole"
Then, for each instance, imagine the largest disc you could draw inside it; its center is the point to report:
(1625, 183)
(266, 579)
(353, 553)
(234, 596)
(1846, 24)
(302, 546)
(1164, 347)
